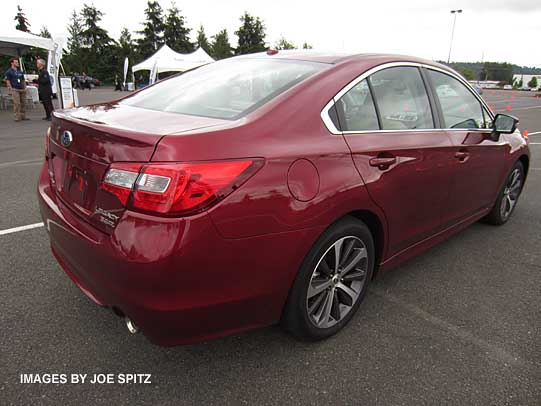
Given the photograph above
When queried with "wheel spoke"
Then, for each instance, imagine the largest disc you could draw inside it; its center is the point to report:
(335, 309)
(360, 253)
(356, 275)
(346, 289)
(324, 267)
(510, 202)
(514, 177)
(318, 287)
(344, 297)
(347, 252)
(317, 303)
(515, 187)
(324, 318)
(337, 251)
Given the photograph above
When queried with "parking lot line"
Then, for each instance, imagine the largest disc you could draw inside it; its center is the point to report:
(21, 228)
(523, 108)
(28, 161)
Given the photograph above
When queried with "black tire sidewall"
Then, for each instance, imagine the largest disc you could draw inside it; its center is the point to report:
(296, 318)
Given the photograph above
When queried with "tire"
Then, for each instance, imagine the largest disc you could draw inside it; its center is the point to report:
(508, 196)
(312, 316)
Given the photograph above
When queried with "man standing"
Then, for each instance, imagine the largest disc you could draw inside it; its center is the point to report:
(45, 90)
(16, 84)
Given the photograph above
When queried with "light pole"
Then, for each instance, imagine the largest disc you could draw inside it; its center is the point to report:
(454, 12)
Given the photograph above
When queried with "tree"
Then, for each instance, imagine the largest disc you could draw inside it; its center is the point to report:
(152, 33)
(45, 33)
(251, 35)
(467, 73)
(306, 45)
(502, 72)
(126, 48)
(176, 34)
(97, 52)
(220, 47)
(202, 40)
(22, 21)
(284, 44)
(93, 35)
(532, 84)
(72, 60)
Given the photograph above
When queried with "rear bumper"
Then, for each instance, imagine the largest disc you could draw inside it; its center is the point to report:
(177, 279)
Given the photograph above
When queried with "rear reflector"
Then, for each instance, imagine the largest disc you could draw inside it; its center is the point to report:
(179, 188)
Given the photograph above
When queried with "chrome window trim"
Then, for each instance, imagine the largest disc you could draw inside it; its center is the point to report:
(325, 117)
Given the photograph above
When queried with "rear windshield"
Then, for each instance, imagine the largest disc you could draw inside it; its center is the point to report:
(226, 89)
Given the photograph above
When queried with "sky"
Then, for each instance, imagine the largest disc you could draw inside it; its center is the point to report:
(488, 30)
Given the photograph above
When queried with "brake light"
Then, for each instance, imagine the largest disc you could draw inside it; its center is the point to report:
(179, 188)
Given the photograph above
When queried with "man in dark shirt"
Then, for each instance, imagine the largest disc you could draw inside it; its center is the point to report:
(45, 90)
(16, 84)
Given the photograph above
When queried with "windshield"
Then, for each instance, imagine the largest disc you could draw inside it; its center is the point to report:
(226, 89)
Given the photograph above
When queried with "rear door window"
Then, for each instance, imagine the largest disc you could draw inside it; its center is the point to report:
(401, 99)
(356, 110)
(460, 108)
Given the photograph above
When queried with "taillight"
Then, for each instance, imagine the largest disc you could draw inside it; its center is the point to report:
(174, 189)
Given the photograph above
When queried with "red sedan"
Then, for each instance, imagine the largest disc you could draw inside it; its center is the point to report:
(270, 188)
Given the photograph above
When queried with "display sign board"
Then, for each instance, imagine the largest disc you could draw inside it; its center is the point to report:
(66, 93)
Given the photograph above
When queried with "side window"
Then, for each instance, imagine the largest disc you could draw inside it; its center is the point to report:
(401, 97)
(356, 111)
(461, 109)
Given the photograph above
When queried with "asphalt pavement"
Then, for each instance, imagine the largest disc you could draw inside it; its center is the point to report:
(458, 325)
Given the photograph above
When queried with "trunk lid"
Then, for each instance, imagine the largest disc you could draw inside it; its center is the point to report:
(85, 141)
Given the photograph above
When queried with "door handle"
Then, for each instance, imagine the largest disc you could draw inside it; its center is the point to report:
(462, 156)
(382, 162)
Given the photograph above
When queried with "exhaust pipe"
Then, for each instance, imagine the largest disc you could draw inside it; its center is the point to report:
(132, 328)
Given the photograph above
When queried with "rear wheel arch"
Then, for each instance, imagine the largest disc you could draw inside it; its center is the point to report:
(376, 227)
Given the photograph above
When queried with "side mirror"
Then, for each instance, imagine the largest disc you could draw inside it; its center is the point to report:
(503, 124)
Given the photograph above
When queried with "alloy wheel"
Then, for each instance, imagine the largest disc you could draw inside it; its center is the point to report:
(511, 193)
(337, 282)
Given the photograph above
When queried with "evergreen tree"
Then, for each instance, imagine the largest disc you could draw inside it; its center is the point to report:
(220, 47)
(126, 48)
(176, 34)
(284, 44)
(126, 44)
(72, 60)
(251, 35)
(22, 21)
(532, 84)
(202, 40)
(306, 45)
(152, 33)
(97, 54)
(92, 35)
(45, 33)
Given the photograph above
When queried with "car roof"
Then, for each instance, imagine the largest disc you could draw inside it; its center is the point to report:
(339, 57)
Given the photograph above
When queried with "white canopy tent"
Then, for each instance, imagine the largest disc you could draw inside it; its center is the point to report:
(167, 60)
(15, 42)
